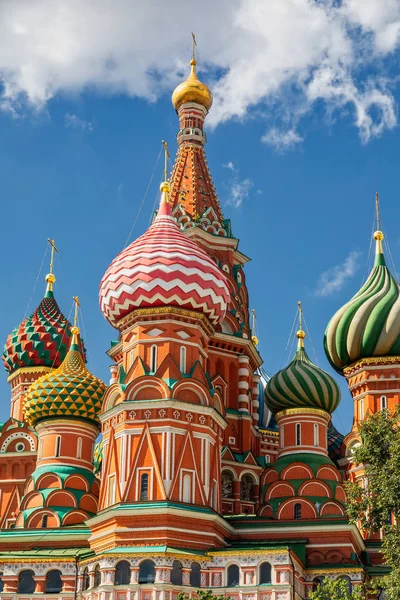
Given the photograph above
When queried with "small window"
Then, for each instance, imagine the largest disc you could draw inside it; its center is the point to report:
(58, 446)
(233, 576)
(182, 359)
(45, 519)
(298, 434)
(282, 436)
(297, 511)
(176, 573)
(53, 582)
(147, 572)
(316, 435)
(111, 490)
(79, 448)
(122, 573)
(97, 576)
(317, 581)
(383, 402)
(153, 359)
(265, 573)
(267, 459)
(347, 579)
(26, 582)
(227, 484)
(187, 488)
(144, 486)
(40, 450)
(20, 447)
(85, 579)
(195, 575)
(361, 410)
(1, 585)
(246, 487)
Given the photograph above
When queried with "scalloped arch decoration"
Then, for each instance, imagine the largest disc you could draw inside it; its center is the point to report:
(61, 498)
(332, 509)
(280, 489)
(308, 510)
(297, 471)
(315, 488)
(189, 391)
(48, 480)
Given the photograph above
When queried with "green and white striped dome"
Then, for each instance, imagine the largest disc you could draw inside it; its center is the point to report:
(369, 324)
(302, 385)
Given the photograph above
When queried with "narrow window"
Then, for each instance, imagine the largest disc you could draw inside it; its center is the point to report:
(53, 582)
(144, 486)
(111, 490)
(147, 572)
(26, 583)
(265, 573)
(233, 576)
(183, 360)
(195, 575)
(361, 409)
(298, 434)
(79, 448)
(122, 573)
(316, 435)
(297, 511)
(176, 573)
(58, 446)
(153, 359)
(187, 488)
(85, 579)
(97, 576)
(282, 436)
(45, 519)
(40, 453)
(131, 358)
(383, 402)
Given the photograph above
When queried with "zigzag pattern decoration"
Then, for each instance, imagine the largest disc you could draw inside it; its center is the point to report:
(42, 339)
(69, 391)
(163, 268)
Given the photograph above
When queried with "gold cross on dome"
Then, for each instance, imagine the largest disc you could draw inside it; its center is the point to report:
(53, 249)
(77, 305)
(194, 44)
(166, 157)
(300, 314)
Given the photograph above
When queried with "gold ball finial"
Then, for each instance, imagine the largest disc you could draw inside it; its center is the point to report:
(75, 330)
(254, 339)
(165, 187)
(192, 90)
(300, 334)
(50, 278)
(378, 236)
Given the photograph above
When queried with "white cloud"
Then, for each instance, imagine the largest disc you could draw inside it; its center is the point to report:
(239, 189)
(282, 55)
(333, 279)
(74, 122)
(282, 140)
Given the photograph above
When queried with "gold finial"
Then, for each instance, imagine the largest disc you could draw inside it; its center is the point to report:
(192, 90)
(165, 187)
(254, 338)
(75, 328)
(301, 333)
(194, 44)
(378, 235)
(50, 277)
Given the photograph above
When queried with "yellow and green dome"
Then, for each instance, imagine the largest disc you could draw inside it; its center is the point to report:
(369, 324)
(302, 385)
(69, 391)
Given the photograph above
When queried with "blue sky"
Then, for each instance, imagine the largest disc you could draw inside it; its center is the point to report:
(295, 170)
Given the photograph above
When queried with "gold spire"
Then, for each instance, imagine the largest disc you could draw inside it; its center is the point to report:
(165, 187)
(301, 333)
(75, 329)
(50, 277)
(378, 235)
(192, 90)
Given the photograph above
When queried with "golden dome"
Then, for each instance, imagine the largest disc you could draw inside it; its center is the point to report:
(192, 90)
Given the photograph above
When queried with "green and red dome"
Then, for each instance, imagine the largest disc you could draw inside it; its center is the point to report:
(41, 340)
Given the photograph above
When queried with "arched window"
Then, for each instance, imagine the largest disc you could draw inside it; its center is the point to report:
(347, 579)
(246, 484)
(26, 583)
(153, 358)
(45, 519)
(298, 434)
(182, 360)
(317, 582)
(213, 497)
(147, 572)
(40, 450)
(227, 484)
(79, 448)
(265, 573)
(144, 486)
(58, 445)
(53, 582)
(1, 585)
(176, 573)
(232, 576)
(316, 434)
(195, 580)
(187, 488)
(122, 573)
(97, 576)
(85, 579)
(297, 511)
(383, 402)
(361, 413)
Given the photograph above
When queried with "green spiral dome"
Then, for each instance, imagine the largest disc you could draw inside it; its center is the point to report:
(369, 324)
(302, 385)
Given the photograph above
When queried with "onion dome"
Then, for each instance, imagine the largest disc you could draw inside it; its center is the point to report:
(42, 339)
(369, 324)
(302, 385)
(192, 90)
(69, 391)
(163, 268)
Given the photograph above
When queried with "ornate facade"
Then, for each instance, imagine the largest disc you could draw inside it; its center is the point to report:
(208, 474)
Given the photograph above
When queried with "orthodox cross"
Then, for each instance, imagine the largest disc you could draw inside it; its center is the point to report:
(300, 315)
(166, 157)
(77, 305)
(194, 44)
(378, 223)
(53, 249)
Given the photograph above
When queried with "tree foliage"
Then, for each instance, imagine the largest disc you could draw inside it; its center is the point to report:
(375, 505)
(335, 589)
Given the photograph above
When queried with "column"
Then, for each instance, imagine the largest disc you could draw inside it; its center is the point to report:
(68, 583)
(243, 385)
(134, 575)
(10, 583)
(185, 576)
(40, 583)
(255, 403)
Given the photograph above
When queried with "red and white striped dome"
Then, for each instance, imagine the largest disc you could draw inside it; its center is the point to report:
(163, 268)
